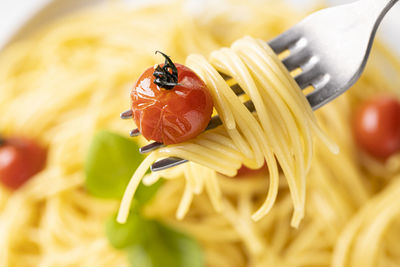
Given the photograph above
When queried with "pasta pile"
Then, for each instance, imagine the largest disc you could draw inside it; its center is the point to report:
(73, 78)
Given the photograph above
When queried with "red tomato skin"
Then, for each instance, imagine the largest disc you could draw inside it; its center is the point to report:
(20, 159)
(171, 116)
(377, 126)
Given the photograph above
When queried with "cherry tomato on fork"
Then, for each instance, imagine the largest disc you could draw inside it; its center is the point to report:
(170, 103)
(377, 126)
(20, 159)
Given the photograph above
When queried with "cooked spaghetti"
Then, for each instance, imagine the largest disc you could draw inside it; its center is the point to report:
(281, 134)
(72, 78)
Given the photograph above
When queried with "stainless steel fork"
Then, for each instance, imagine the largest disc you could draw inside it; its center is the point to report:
(330, 46)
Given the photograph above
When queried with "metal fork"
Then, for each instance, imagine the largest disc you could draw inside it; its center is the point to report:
(330, 46)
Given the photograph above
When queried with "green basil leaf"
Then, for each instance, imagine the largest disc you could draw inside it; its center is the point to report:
(124, 235)
(111, 162)
(165, 247)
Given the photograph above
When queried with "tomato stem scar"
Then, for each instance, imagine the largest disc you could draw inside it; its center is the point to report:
(166, 76)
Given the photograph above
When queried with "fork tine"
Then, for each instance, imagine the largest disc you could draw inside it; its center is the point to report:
(225, 76)
(237, 89)
(321, 82)
(309, 64)
(319, 96)
(295, 61)
(307, 78)
(284, 41)
(134, 132)
(126, 114)
(150, 147)
(166, 164)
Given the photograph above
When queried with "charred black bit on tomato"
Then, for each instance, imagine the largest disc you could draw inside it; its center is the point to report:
(166, 76)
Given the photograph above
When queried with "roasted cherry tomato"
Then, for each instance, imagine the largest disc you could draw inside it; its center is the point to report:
(20, 159)
(377, 126)
(170, 103)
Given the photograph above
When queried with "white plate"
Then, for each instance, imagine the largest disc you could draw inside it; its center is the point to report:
(20, 18)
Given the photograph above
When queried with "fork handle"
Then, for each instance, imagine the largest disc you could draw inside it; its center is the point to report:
(377, 8)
